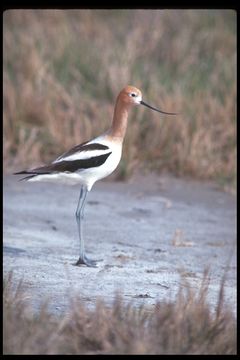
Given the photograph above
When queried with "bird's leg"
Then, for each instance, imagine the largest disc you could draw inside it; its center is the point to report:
(83, 260)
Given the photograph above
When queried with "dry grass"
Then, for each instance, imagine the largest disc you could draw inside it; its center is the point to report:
(186, 326)
(64, 69)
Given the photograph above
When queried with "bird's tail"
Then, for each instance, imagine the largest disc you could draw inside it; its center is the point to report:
(26, 178)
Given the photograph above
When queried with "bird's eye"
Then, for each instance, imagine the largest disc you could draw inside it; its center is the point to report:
(133, 94)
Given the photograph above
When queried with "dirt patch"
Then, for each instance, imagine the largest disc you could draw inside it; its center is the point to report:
(148, 233)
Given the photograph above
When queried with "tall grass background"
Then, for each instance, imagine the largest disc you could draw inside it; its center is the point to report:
(62, 71)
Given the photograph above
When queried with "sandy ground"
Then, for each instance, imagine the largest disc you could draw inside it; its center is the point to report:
(151, 233)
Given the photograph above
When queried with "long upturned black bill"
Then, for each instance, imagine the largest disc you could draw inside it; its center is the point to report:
(153, 108)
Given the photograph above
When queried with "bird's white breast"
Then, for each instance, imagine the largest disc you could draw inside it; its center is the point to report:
(91, 175)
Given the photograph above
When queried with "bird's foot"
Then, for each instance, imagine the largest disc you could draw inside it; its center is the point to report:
(86, 261)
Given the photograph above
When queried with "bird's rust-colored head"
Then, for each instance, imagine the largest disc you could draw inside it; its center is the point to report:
(130, 95)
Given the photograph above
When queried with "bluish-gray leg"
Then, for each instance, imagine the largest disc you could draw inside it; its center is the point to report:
(83, 260)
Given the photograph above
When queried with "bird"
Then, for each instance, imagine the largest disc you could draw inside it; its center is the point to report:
(90, 161)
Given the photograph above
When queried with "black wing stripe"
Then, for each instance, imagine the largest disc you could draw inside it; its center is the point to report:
(83, 147)
(68, 166)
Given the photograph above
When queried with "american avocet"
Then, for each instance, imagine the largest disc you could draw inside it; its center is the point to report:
(92, 160)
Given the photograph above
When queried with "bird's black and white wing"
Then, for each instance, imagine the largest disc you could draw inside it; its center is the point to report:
(80, 157)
